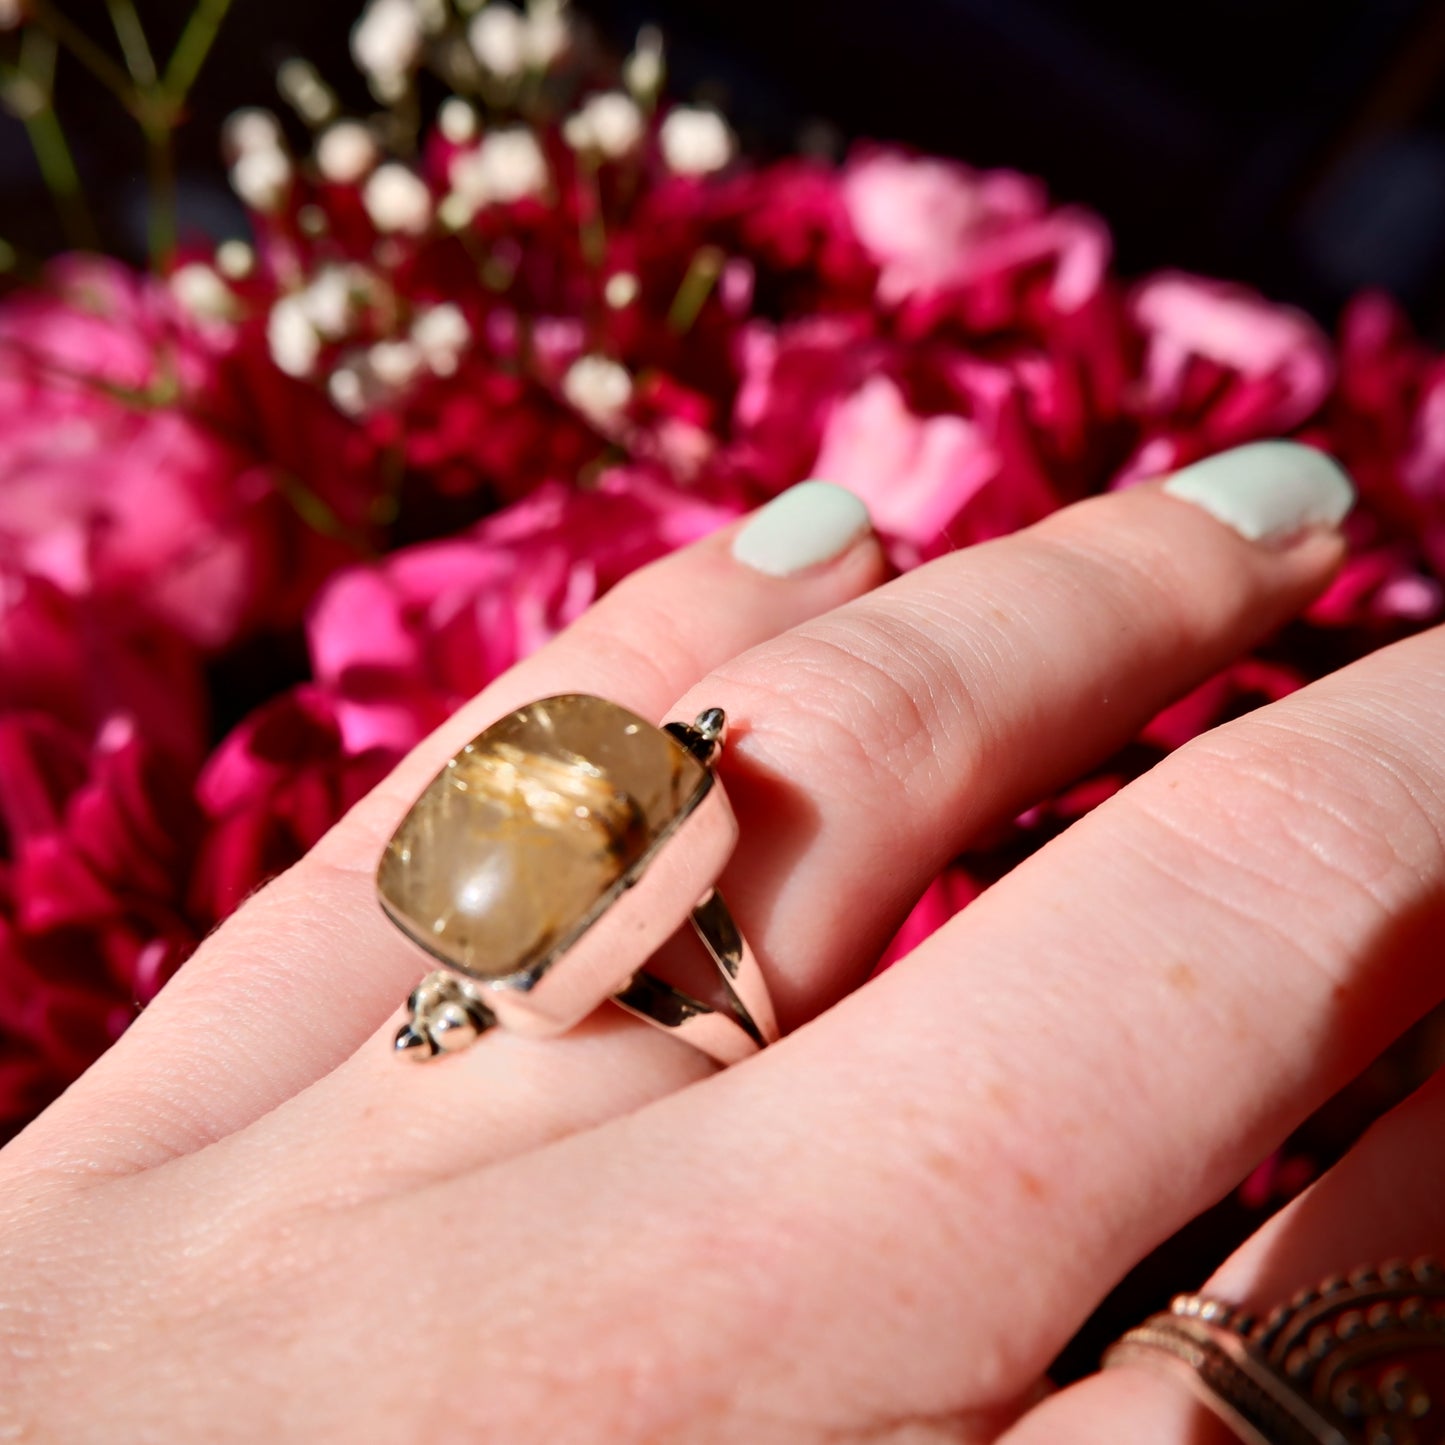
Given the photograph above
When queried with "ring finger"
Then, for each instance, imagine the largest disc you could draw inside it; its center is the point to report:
(1385, 1200)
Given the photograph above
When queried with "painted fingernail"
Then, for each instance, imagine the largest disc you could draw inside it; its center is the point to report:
(1268, 491)
(804, 527)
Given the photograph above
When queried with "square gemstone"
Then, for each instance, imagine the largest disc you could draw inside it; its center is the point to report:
(519, 842)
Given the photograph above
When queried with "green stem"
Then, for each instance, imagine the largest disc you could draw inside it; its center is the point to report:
(590, 219)
(19, 265)
(696, 287)
(161, 171)
(30, 92)
(85, 50)
(133, 43)
(62, 180)
(192, 48)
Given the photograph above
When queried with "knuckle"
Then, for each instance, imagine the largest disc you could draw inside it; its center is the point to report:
(657, 657)
(862, 699)
(1134, 582)
(1313, 803)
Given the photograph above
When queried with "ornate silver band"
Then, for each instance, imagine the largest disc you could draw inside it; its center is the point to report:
(1358, 1361)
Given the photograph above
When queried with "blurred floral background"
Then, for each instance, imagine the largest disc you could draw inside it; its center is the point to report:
(347, 354)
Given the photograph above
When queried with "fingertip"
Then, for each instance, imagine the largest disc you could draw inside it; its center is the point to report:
(805, 528)
(1269, 491)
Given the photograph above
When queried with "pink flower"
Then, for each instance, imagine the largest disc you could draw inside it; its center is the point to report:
(825, 397)
(269, 792)
(398, 646)
(792, 221)
(929, 225)
(490, 429)
(792, 377)
(99, 737)
(401, 645)
(1386, 423)
(949, 893)
(915, 473)
(1222, 366)
(114, 482)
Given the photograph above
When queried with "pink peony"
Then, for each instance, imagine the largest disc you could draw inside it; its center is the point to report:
(99, 738)
(792, 222)
(945, 448)
(269, 792)
(915, 473)
(1222, 366)
(791, 379)
(929, 224)
(117, 482)
(1384, 422)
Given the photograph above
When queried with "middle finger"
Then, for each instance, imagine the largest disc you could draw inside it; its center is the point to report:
(872, 744)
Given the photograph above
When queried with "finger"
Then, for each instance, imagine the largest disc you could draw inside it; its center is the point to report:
(1385, 1200)
(309, 967)
(1122, 1407)
(872, 743)
(1109, 1040)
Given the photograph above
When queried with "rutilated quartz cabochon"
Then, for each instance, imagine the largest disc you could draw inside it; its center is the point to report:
(518, 844)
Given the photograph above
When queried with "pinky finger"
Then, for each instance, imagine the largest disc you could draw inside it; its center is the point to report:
(1384, 1200)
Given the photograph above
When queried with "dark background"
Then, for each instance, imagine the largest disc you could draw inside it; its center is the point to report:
(1295, 144)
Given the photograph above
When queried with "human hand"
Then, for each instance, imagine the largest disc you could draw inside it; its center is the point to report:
(249, 1222)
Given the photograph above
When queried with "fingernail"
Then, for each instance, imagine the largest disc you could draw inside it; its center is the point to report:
(1268, 491)
(804, 527)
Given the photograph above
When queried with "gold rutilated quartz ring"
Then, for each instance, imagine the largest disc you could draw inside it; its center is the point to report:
(550, 859)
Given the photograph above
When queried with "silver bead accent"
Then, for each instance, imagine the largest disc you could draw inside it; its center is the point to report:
(447, 1015)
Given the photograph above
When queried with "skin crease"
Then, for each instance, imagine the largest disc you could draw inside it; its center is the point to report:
(249, 1223)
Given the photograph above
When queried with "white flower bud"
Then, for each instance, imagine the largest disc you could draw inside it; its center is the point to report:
(397, 199)
(608, 125)
(303, 89)
(395, 364)
(508, 166)
(549, 36)
(456, 211)
(250, 129)
(696, 142)
(645, 69)
(295, 346)
(235, 259)
(331, 299)
(386, 41)
(348, 391)
(346, 152)
(622, 289)
(262, 178)
(498, 37)
(201, 292)
(457, 120)
(441, 334)
(599, 388)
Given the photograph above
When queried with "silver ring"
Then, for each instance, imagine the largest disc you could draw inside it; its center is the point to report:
(549, 859)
